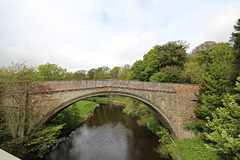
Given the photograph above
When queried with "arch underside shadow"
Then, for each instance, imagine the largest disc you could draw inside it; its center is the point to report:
(151, 105)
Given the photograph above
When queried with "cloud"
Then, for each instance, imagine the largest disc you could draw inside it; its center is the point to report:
(89, 34)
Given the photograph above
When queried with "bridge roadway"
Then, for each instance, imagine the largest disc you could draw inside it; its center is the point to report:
(173, 103)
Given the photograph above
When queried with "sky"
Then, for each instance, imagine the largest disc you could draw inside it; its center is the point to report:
(86, 34)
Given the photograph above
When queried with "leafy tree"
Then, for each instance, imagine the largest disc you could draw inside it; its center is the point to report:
(203, 58)
(192, 72)
(15, 134)
(101, 73)
(91, 73)
(236, 46)
(105, 69)
(161, 56)
(215, 81)
(169, 74)
(224, 127)
(136, 71)
(69, 116)
(198, 65)
(114, 73)
(80, 75)
(51, 72)
(170, 54)
(14, 85)
(123, 75)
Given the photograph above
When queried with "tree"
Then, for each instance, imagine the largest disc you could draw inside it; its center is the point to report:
(236, 46)
(51, 72)
(224, 127)
(91, 73)
(14, 85)
(208, 45)
(16, 133)
(161, 56)
(192, 72)
(136, 71)
(169, 74)
(215, 81)
(114, 73)
(80, 75)
(123, 75)
(101, 73)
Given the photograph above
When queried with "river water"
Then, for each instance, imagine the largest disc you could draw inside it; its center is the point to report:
(108, 135)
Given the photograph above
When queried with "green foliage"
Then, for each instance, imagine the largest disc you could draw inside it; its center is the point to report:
(91, 73)
(14, 81)
(136, 71)
(196, 127)
(192, 72)
(17, 73)
(169, 74)
(215, 81)
(123, 75)
(51, 72)
(161, 56)
(192, 149)
(101, 73)
(114, 73)
(4, 133)
(74, 114)
(80, 75)
(40, 140)
(224, 127)
(236, 46)
(148, 117)
(34, 144)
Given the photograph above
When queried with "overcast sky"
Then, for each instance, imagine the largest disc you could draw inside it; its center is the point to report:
(85, 34)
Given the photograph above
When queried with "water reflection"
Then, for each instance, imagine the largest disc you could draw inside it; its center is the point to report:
(108, 135)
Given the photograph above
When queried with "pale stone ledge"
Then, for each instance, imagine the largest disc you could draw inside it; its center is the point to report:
(6, 156)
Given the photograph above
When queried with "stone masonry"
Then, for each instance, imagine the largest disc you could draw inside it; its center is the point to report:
(173, 103)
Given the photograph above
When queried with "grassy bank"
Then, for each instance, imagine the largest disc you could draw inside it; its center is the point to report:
(191, 149)
(75, 114)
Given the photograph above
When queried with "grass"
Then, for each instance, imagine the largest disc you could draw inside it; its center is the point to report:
(191, 149)
(75, 114)
(86, 108)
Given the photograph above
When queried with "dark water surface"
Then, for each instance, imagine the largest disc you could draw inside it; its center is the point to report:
(108, 135)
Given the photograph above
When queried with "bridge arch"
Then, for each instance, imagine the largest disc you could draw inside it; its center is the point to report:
(173, 103)
(50, 115)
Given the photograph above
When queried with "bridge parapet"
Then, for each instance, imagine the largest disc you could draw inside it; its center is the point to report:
(60, 86)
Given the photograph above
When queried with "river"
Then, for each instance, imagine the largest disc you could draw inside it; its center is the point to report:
(107, 135)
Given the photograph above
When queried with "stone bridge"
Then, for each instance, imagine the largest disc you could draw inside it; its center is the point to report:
(173, 103)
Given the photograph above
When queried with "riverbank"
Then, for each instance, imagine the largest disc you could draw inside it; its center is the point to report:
(75, 115)
(142, 120)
